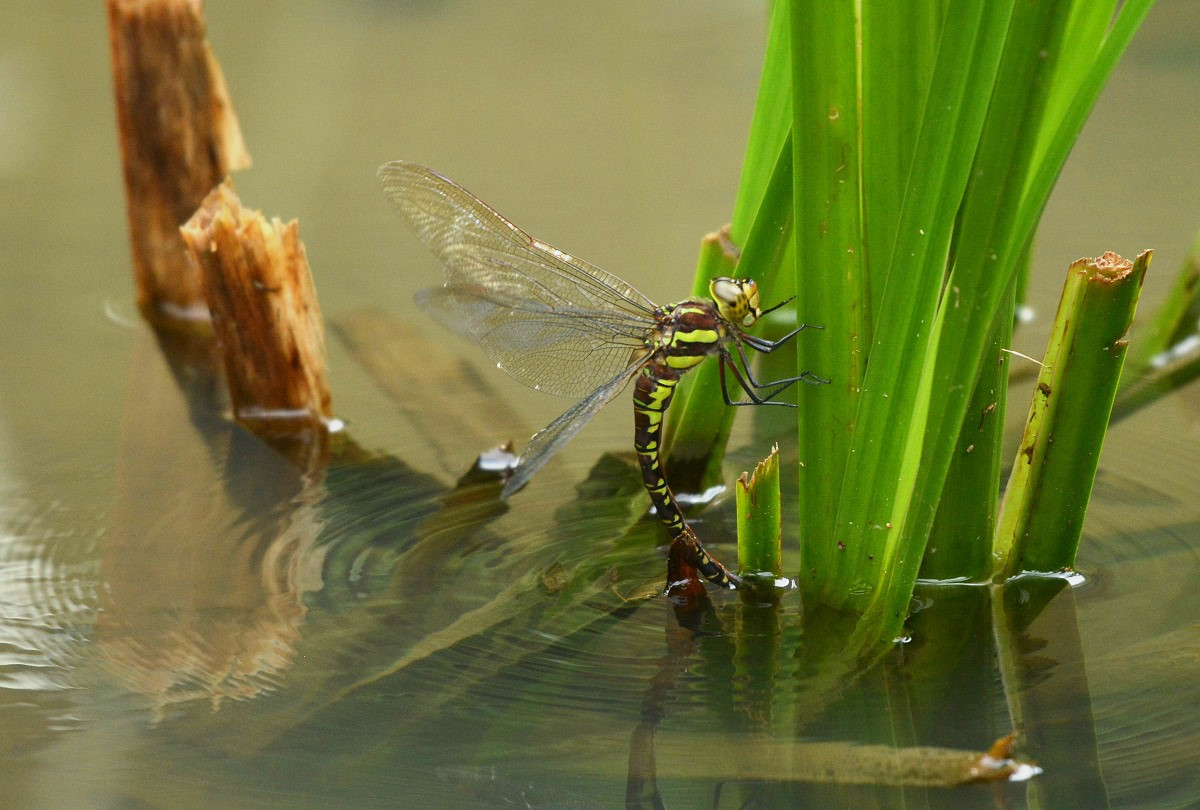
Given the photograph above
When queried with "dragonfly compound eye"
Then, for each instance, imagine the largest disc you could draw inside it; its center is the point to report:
(750, 293)
(730, 297)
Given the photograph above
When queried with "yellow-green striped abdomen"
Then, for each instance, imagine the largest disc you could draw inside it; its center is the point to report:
(686, 334)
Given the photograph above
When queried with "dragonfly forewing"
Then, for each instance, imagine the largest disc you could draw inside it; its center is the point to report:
(479, 246)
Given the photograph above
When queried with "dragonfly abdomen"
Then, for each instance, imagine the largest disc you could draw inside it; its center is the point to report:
(651, 397)
(684, 335)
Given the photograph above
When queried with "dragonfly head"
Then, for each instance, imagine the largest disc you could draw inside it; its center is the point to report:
(736, 300)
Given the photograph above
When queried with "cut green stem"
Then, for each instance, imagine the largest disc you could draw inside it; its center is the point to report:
(758, 519)
(1052, 476)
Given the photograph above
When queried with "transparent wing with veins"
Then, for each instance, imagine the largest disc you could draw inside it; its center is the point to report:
(554, 322)
(550, 439)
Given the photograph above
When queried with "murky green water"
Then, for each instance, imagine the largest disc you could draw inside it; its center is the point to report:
(186, 621)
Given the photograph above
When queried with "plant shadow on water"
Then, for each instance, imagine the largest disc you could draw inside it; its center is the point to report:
(386, 624)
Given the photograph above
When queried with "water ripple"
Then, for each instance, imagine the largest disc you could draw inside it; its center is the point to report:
(47, 603)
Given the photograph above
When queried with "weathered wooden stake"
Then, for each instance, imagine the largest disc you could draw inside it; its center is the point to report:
(179, 138)
(264, 312)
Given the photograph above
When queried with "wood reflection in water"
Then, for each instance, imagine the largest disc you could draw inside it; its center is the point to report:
(209, 557)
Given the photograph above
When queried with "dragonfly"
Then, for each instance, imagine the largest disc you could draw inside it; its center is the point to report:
(561, 325)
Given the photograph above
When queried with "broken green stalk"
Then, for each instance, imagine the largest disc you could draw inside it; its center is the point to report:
(758, 519)
(1051, 481)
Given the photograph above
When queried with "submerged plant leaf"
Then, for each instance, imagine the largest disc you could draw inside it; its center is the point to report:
(521, 595)
(741, 757)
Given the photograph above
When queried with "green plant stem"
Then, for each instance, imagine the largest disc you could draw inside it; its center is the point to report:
(758, 519)
(1157, 383)
(769, 128)
(829, 259)
(1052, 476)
(959, 544)
(899, 49)
(1174, 320)
(1149, 371)
(869, 561)
(1086, 23)
(992, 234)
(1010, 88)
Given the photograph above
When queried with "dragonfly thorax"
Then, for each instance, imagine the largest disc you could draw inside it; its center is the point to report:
(685, 333)
(736, 300)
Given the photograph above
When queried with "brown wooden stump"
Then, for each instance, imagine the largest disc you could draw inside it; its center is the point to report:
(265, 314)
(179, 138)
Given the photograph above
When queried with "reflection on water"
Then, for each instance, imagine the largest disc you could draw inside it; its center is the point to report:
(203, 592)
(188, 617)
(247, 618)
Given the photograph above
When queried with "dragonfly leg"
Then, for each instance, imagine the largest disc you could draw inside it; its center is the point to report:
(807, 376)
(780, 305)
(767, 346)
(755, 399)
